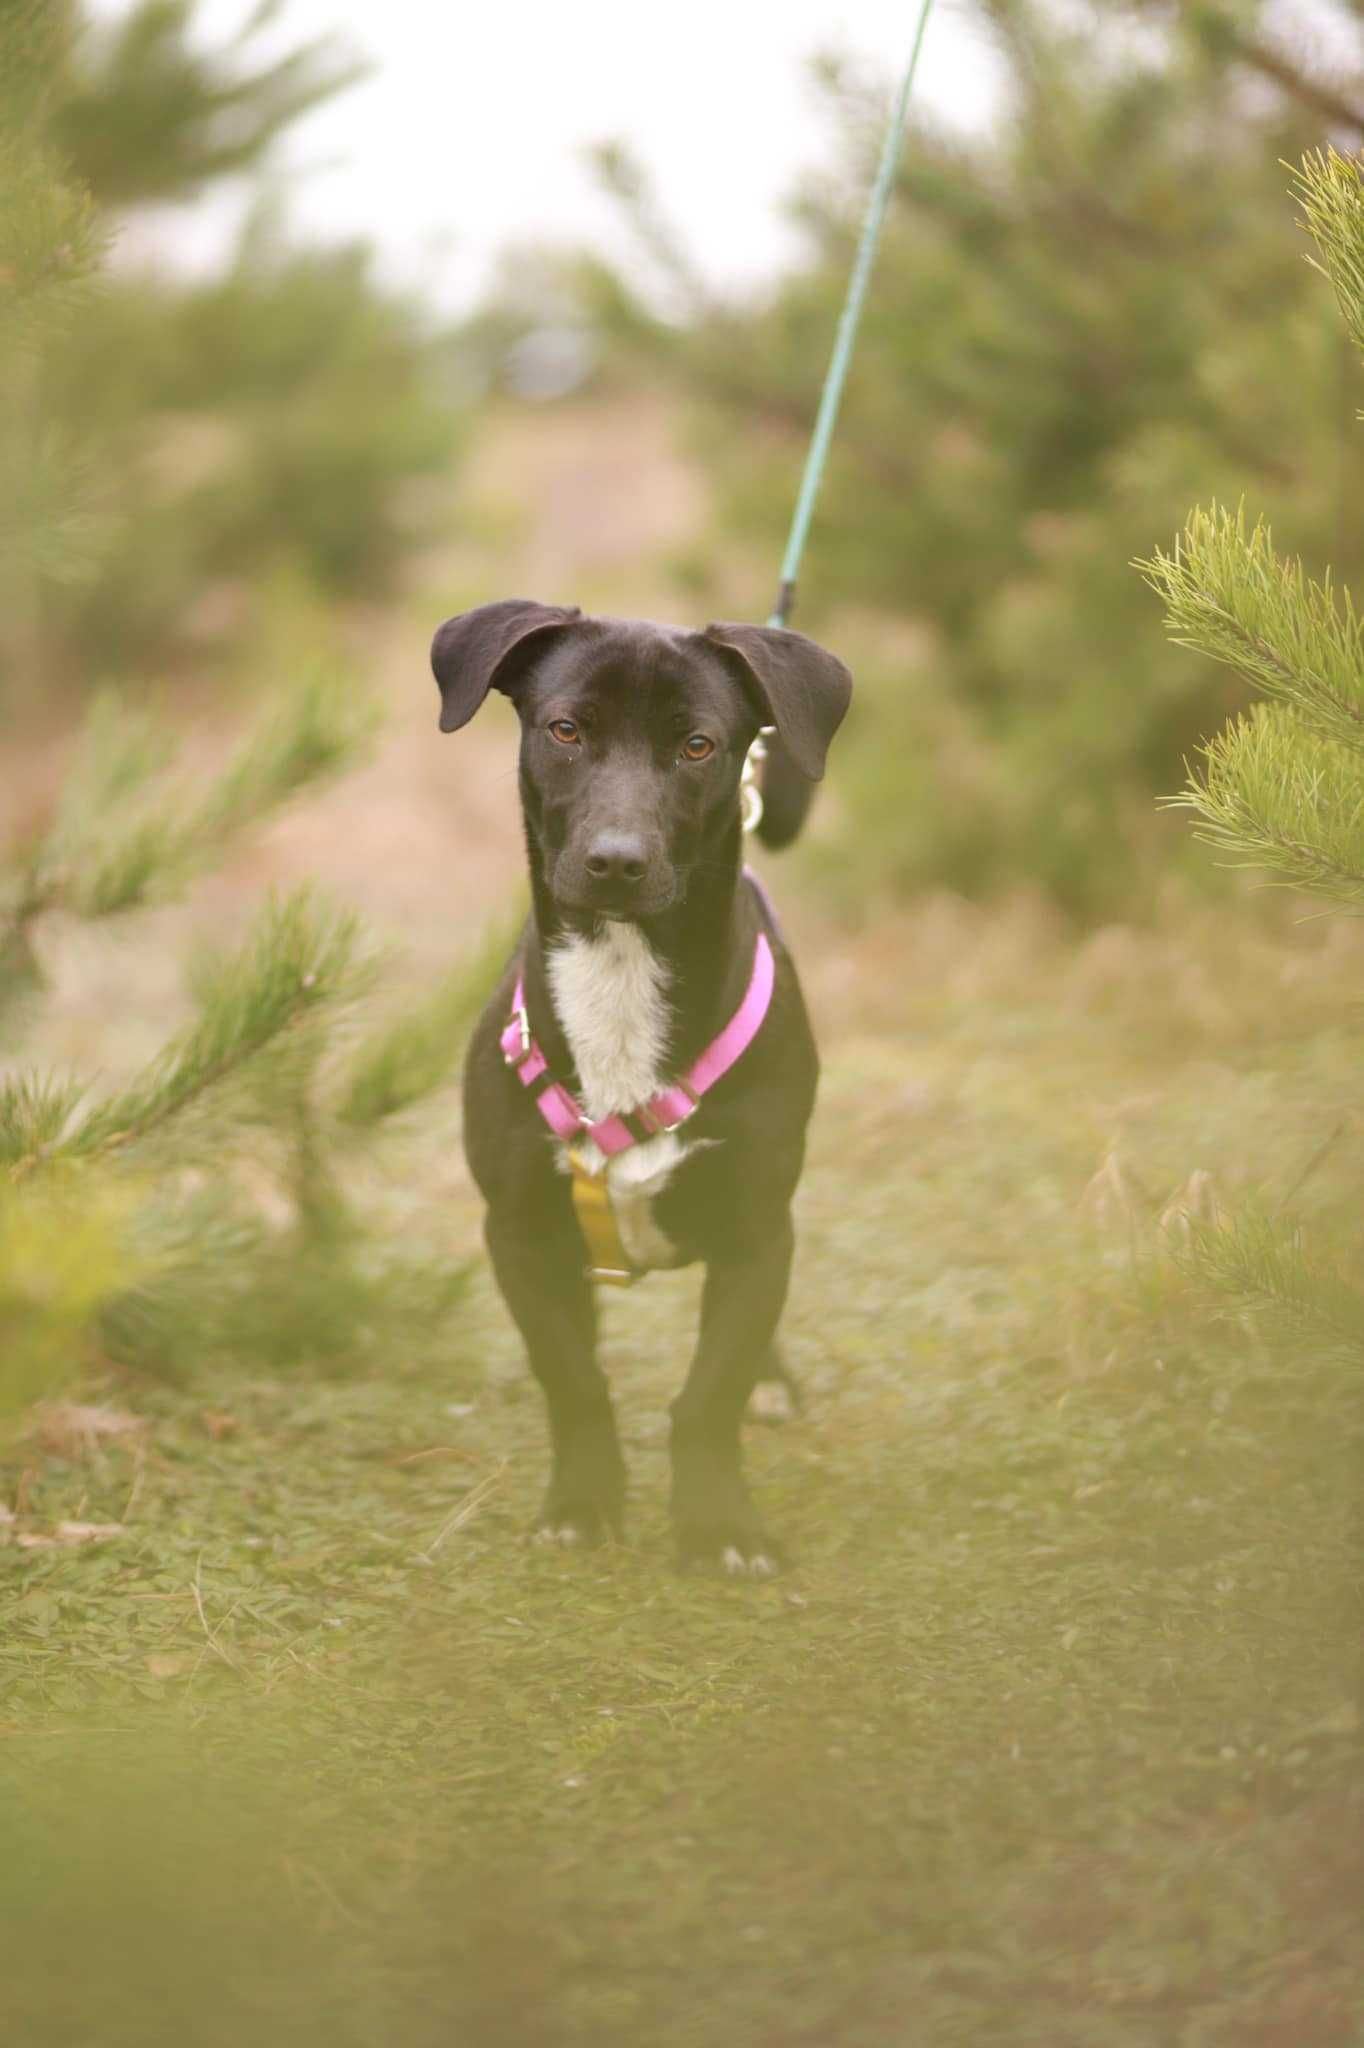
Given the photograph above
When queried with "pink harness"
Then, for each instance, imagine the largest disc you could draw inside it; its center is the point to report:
(671, 1106)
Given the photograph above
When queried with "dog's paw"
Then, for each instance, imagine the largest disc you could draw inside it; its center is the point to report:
(716, 1523)
(753, 1564)
(586, 1497)
(773, 1402)
(575, 1525)
(747, 1553)
(561, 1534)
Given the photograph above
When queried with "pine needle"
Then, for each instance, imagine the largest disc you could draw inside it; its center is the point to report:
(318, 730)
(1330, 188)
(298, 960)
(1262, 1263)
(1274, 794)
(34, 1111)
(1284, 787)
(125, 834)
(1230, 596)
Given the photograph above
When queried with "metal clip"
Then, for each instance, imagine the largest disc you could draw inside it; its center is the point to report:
(522, 1023)
(750, 787)
(651, 1122)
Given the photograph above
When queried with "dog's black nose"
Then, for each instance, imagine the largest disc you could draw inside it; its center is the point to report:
(617, 857)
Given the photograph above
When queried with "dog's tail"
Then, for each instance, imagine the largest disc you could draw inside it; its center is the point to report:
(786, 796)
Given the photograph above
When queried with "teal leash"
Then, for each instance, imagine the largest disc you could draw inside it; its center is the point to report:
(751, 784)
(837, 372)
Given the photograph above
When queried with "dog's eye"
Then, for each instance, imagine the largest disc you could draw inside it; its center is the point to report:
(565, 731)
(697, 748)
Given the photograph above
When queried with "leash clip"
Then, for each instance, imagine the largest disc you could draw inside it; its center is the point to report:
(522, 1051)
(750, 788)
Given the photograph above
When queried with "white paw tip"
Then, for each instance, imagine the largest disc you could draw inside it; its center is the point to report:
(564, 1535)
(737, 1566)
(771, 1401)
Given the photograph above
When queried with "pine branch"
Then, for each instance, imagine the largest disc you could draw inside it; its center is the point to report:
(34, 1111)
(319, 730)
(123, 834)
(1331, 190)
(148, 116)
(1314, 93)
(111, 842)
(1274, 794)
(50, 244)
(1228, 595)
(299, 961)
(1261, 1264)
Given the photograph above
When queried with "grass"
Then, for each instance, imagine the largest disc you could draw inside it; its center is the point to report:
(1049, 1737)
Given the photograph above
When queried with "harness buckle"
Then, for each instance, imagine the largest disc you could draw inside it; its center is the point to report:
(654, 1125)
(522, 1053)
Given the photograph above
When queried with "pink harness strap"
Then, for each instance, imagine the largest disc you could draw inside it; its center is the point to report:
(671, 1106)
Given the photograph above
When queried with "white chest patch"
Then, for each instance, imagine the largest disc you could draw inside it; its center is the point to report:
(610, 996)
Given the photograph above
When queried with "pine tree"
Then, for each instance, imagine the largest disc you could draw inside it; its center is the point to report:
(131, 1221)
(181, 441)
(50, 250)
(144, 115)
(1078, 322)
(1282, 788)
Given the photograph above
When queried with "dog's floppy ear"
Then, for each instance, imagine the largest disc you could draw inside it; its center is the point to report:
(470, 649)
(801, 689)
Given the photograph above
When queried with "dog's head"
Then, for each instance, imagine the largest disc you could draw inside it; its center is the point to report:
(633, 735)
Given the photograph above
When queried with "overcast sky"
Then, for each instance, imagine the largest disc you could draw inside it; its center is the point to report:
(470, 133)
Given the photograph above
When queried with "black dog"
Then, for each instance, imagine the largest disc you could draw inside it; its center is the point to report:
(645, 941)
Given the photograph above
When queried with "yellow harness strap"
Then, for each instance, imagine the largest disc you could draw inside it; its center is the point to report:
(608, 1260)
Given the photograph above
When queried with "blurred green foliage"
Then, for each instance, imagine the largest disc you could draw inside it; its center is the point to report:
(1083, 316)
(143, 114)
(197, 1212)
(190, 465)
(166, 443)
(64, 1250)
(1282, 788)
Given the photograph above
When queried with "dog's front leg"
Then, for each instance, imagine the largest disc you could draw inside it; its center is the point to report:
(542, 1280)
(742, 1303)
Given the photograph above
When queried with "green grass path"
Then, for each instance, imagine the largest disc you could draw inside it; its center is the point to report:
(1049, 1736)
